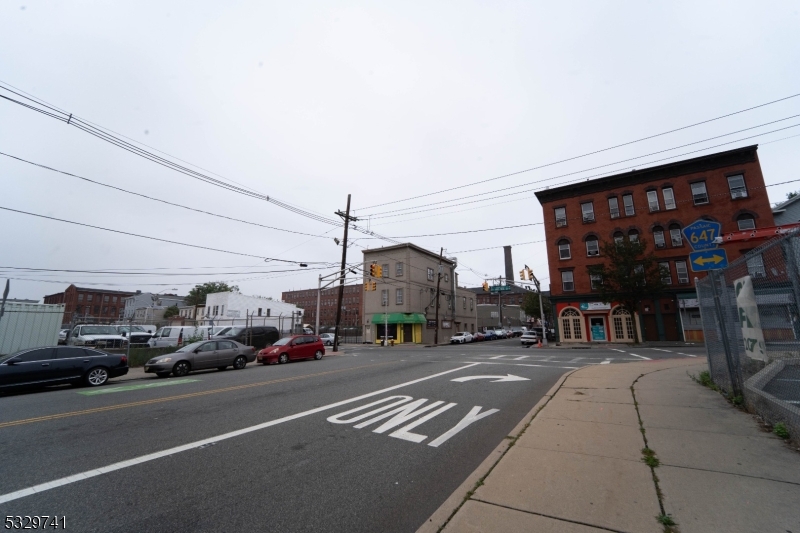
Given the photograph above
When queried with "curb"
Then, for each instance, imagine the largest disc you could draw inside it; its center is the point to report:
(453, 503)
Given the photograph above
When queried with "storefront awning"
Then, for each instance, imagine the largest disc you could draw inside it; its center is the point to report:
(398, 318)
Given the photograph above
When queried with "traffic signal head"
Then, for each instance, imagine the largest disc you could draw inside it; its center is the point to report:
(378, 271)
(485, 286)
(366, 285)
(374, 286)
(374, 270)
(522, 274)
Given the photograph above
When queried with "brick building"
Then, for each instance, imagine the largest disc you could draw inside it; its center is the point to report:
(656, 204)
(352, 305)
(93, 305)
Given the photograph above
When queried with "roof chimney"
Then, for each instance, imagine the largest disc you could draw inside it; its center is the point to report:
(509, 265)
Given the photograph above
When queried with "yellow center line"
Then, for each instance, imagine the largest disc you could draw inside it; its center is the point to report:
(177, 397)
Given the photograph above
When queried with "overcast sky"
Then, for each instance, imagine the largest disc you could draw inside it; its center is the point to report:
(309, 101)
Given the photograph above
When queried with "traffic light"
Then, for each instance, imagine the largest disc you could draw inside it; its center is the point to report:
(366, 285)
(522, 274)
(378, 271)
(485, 286)
(370, 286)
(374, 286)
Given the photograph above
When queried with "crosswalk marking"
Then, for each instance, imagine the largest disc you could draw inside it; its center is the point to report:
(641, 357)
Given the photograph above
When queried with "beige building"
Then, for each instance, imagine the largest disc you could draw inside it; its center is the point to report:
(405, 296)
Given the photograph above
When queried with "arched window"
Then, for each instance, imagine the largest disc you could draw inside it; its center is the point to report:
(563, 249)
(675, 235)
(623, 325)
(746, 221)
(618, 237)
(633, 235)
(658, 237)
(592, 245)
(571, 324)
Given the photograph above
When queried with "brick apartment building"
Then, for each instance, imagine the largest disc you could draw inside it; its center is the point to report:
(352, 305)
(655, 204)
(95, 305)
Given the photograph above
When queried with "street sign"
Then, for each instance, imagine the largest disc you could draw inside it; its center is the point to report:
(701, 234)
(708, 260)
(500, 288)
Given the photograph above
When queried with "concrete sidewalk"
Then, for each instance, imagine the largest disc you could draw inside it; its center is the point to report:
(578, 466)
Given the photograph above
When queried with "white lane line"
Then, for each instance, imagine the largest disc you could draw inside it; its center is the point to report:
(641, 357)
(660, 350)
(620, 351)
(11, 496)
(686, 354)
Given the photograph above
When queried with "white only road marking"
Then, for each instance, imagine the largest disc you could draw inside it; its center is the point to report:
(495, 379)
(513, 364)
(686, 354)
(497, 357)
(641, 357)
(11, 496)
(471, 417)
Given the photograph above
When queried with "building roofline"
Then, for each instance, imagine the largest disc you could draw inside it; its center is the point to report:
(407, 245)
(786, 203)
(745, 154)
(102, 290)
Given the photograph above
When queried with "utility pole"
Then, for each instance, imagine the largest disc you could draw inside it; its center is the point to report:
(5, 297)
(438, 282)
(541, 306)
(319, 296)
(347, 219)
(499, 302)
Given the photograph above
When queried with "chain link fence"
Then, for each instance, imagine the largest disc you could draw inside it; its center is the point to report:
(751, 319)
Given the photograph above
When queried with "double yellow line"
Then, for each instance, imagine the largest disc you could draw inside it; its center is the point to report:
(178, 397)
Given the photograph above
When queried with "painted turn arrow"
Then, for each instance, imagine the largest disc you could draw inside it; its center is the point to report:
(497, 379)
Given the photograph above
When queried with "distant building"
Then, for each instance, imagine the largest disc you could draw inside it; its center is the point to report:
(140, 300)
(352, 305)
(233, 308)
(787, 212)
(405, 298)
(90, 305)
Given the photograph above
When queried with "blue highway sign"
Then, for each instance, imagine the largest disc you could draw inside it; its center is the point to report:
(701, 234)
(708, 260)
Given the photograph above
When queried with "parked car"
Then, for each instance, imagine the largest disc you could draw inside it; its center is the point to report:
(62, 336)
(517, 332)
(292, 348)
(199, 355)
(478, 337)
(500, 333)
(489, 335)
(462, 337)
(257, 336)
(171, 335)
(529, 337)
(60, 364)
(97, 336)
(135, 334)
(327, 339)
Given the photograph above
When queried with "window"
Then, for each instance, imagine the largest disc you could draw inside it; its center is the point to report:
(675, 235)
(465, 302)
(97, 309)
(105, 309)
(658, 237)
(88, 297)
(737, 187)
(471, 304)
(613, 207)
(652, 201)
(746, 222)
(587, 209)
(633, 235)
(105, 299)
(755, 266)
(699, 193)
(385, 297)
(385, 271)
(113, 310)
(563, 249)
(446, 278)
(596, 281)
(618, 237)
(80, 297)
(430, 274)
(114, 299)
(398, 296)
(40, 354)
(666, 275)
(592, 246)
(669, 198)
(561, 216)
(683, 273)
(627, 201)
(567, 282)
(398, 269)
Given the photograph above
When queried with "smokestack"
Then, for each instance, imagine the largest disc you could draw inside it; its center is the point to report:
(509, 265)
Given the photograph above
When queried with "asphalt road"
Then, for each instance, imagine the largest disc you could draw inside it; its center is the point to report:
(277, 448)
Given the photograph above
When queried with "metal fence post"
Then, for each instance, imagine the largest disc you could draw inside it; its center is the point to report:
(724, 331)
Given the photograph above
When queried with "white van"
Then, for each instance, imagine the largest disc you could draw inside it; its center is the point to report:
(170, 335)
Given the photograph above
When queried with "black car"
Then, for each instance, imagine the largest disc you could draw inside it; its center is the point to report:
(258, 337)
(55, 365)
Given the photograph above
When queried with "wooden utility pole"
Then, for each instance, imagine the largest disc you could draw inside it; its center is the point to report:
(347, 219)
(438, 282)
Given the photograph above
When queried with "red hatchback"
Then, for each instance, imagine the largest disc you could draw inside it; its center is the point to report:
(292, 348)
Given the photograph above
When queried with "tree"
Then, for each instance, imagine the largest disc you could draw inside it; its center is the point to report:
(530, 304)
(792, 194)
(629, 275)
(171, 311)
(197, 296)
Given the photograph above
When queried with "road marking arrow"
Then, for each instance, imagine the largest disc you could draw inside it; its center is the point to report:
(497, 379)
(705, 260)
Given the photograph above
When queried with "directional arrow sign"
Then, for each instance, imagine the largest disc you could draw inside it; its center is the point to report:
(708, 260)
(496, 379)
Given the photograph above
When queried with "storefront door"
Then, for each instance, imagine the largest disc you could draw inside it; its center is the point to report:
(597, 328)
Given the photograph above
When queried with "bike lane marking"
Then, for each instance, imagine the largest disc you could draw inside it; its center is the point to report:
(125, 388)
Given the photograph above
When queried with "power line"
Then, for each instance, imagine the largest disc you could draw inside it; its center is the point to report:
(589, 153)
(469, 231)
(155, 238)
(128, 273)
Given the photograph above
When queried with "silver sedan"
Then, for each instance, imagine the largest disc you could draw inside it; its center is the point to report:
(201, 355)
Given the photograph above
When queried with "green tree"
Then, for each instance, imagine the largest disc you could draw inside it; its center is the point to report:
(629, 275)
(197, 296)
(171, 311)
(792, 194)
(530, 304)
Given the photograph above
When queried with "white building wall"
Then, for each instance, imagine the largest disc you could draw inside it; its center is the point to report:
(233, 308)
(29, 326)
